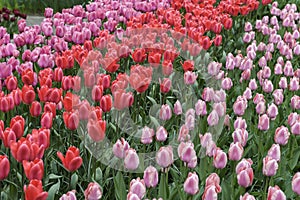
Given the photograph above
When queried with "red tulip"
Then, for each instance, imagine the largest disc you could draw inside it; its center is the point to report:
(139, 55)
(165, 85)
(17, 96)
(17, 124)
(28, 94)
(58, 74)
(34, 191)
(96, 130)
(188, 65)
(50, 107)
(140, 78)
(167, 67)
(8, 136)
(40, 137)
(106, 103)
(4, 104)
(97, 92)
(70, 101)
(95, 113)
(66, 83)
(46, 120)
(34, 169)
(28, 76)
(76, 83)
(122, 99)
(35, 109)
(4, 166)
(26, 150)
(11, 83)
(72, 161)
(71, 119)
(154, 59)
(54, 95)
(43, 93)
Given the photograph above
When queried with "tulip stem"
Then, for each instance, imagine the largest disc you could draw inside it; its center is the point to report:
(266, 188)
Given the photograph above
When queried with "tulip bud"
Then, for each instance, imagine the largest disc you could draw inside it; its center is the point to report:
(165, 85)
(161, 134)
(274, 152)
(5, 167)
(190, 77)
(220, 159)
(177, 108)
(72, 161)
(275, 193)
(93, 191)
(69, 196)
(270, 166)
(120, 147)
(131, 160)
(247, 196)
(235, 151)
(151, 177)
(164, 156)
(263, 122)
(191, 184)
(35, 109)
(147, 134)
(34, 169)
(165, 112)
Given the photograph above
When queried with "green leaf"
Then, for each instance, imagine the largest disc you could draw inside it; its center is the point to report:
(152, 100)
(54, 176)
(53, 190)
(120, 189)
(163, 187)
(99, 175)
(154, 121)
(293, 162)
(74, 181)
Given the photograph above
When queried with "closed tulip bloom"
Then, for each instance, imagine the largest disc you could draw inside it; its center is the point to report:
(131, 160)
(282, 135)
(106, 103)
(200, 108)
(151, 177)
(275, 193)
(220, 159)
(165, 112)
(28, 94)
(245, 177)
(34, 169)
(240, 105)
(213, 118)
(17, 124)
(96, 129)
(137, 186)
(247, 196)
(190, 77)
(7, 136)
(235, 151)
(165, 85)
(164, 156)
(34, 191)
(139, 55)
(71, 120)
(177, 108)
(132, 196)
(278, 96)
(120, 147)
(272, 111)
(210, 193)
(240, 123)
(46, 120)
(295, 128)
(35, 109)
(186, 151)
(93, 191)
(147, 135)
(69, 196)
(188, 65)
(5, 167)
(122, 99)
(161, 134)
(295, 183)
(191, 184)
(11, 83)
(97, 93)
(260, 108)
(72, 161)
(274, 152)
(140, 78)
(263, 122)
(270, 166)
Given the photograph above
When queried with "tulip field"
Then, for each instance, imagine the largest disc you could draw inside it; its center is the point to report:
(156, 99)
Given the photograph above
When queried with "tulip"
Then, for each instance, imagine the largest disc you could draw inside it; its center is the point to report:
(7, 136)
(282, 135)
(139, 55)
(69, 196)
(295, 183)
(28, 94)
(11, 83)
(247, 196)
(147, 134)
(120, 147)
(35, 109)
(235, 151)
(177, 108)
(295, 128)
(96, 129)
(190, 77)
(275, 193)
(270, 166)
(72, 161)
(220, 159)
(272, 111)
(274, 152)
(93, 191)
(132, 196)
(131, 159)
(188, 65)
(5, 167)
(186, 151)
(122, 99)
(245, 177)
(34, 169)
(210, 193)
(263, 122)
(183, 133)
(46, 120)
(240, 105)
(137, 186)
(34, 191)
(200, 108)
(164, 156)
(97, 93)
(161, 134)
(40, 137)
(140, 78)
(213, 118)
(191, 184)
(106, 103)
(165, 85)
(150, 177)
(71, 120)
(165, 112)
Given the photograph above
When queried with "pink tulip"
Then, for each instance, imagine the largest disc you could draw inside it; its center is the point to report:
(275, 193)
(190, 77)
(247, 196)
(210, 193)
(235, 151)
(252, 84)
(240, 136)
(120, 147)
(245, 177)
(272, 111)
(150, 176)
(270, 166)
(282, 135)
(177, 108)
(296, 183)
(278, 96)
(165, 112)
(93, 191)
(186, 151)
(240, 105)
(283, 83)
(164, 156)
(213, 118)
(220, 159)
(137, 186)
(147, 135)
(191, 184)
(161, 134)
(295, 128)
(132, 196)
(274, 152)
(183, 133)
(240, 123)
(131, 160)
(200, 108)
(69, 196)
(263, 122)
(260, 108)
